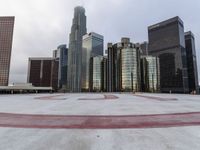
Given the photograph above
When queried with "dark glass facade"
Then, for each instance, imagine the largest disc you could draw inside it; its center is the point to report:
(78, 29)
(166, 40)
(43, 72)
(144, 48)
(191, 62)
(92, 47)
(105, 73)
(123, 66)
(150, 74)
(62, 55)
(6, 37)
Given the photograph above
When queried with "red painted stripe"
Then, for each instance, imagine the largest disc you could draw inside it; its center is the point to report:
(54, 97)
(99, 122)
(156, 98)
(106, 97)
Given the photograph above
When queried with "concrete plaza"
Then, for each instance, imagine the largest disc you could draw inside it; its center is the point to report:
(106, 121)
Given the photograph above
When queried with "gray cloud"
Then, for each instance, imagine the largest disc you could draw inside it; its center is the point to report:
(41, 25)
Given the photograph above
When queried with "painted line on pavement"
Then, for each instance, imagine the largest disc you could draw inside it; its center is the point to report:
(156, 98)
(106, 97)
(99, 122)
(54, 97)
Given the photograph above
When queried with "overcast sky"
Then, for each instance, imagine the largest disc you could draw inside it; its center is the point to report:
(42, 25)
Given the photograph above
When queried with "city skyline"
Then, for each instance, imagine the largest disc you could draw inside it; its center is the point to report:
(32, 36)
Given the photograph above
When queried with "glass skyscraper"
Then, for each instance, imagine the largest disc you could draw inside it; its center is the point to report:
(92, 46)
(6, 37)
(191, 62)
(75, 50)
(166, 40)
(144, 48)
(123, 66)
(129, 68)
(105, 74)
(96, 74)
(62, 55)
(150, 74)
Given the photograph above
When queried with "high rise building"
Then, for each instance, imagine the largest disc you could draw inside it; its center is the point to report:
(6, 37)
(191, 62)
(43, 72)
(62, 55)
(75, 50)
(105, 74)
(96, 74)
(144, 48)
(123, 66)
(166, 40)
(150, 74)
(92, 46)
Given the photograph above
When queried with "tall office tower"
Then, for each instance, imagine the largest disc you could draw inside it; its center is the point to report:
(96, 74)
(166, 40)
(105, 73)
(144, 48)
(92, 45)
(62, 55)
(150, 74)
(6, 37)
(43, 72)
(123, 66)
(191, 62)
(75, 50)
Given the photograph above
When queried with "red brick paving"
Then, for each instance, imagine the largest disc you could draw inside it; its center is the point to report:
(99, 122)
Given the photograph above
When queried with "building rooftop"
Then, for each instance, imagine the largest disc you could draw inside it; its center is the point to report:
(79, 9)
(166, 22)
(41, 58)
(7, 17)
(189, 33)
(103, 121)
(92, 34)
